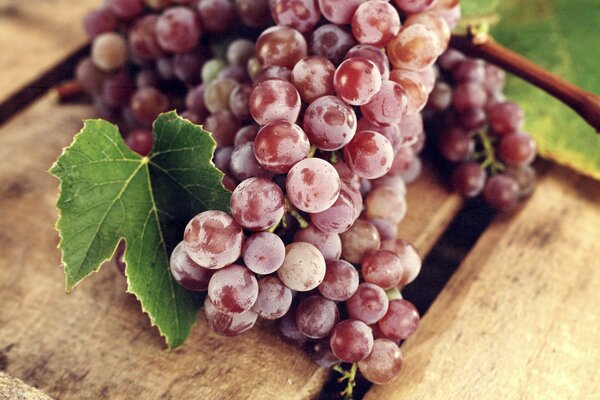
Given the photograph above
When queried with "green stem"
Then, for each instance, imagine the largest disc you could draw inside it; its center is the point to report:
(291, 210)
(489, 154)
(349, 377)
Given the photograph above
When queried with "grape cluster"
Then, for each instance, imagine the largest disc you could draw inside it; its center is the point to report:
(482, 132)
(315, 108)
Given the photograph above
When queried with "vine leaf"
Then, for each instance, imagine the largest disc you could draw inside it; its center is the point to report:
(109, 193)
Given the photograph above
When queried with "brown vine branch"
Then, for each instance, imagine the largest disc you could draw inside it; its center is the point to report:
(584, 103)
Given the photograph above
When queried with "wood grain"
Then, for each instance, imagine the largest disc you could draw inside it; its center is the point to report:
(35, 35)
(519, 319)
(13, 389)
(95, 343)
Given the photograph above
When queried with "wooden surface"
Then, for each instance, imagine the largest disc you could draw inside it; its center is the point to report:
(35, 35)
(521, 317)
(95, 343)
(14, 389)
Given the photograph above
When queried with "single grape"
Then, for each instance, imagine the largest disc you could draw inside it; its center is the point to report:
(387, 107)
(282, 46)
(383, 268)
(239, 51)
(178, 29)
(450, 59)
(525, 178)
(273, 100)
(501, 192)
(245, 135)
(89, 76)
(495, 78)
(239, 99)
(434, 22)
(392, 132)
(387, 230)
(216, 15)
(213, 239)
(233, 289)
(217, 93)
(383, 364)
(357, 80)
(468, 96)
(274, 298)
(316, 317)
(472, 119)
(147, 104)
(339, 217)
(517, 149)
(375, 22)
(257, 204)
(243, 164)
(194, 101)
(222, 158)
(373, 53)
(302, 15)
(99, 21)
(280, 145)
(369, 155)
(415, 48)
(329, 244)
(329, 123)
(506, 118)
(143, 43)
(469, 70)
(440, 98)
(263, 252)
(409, 257)
(186, 272)
(303, 268)
(228, 324)
(109, 51)
(340, 282)
(332, 42)
(385, 203)
(359, 239)
(351, 340)
(414, 86)
(117, 90)
(313, 77)
(211, 70)
(313, 185)
(369, 304)
(411, 128)
(456, 145)
(468, 179)
(140, 141)
(223, 126)
(400, 321)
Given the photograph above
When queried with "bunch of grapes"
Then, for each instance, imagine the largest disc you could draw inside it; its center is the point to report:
(315, 107)
(482, 132)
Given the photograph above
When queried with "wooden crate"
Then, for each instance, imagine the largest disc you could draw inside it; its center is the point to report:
(518, 319)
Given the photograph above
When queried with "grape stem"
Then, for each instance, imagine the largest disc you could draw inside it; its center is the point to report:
(291, 210)
(488, 153)
(350, 377)
(481, 45)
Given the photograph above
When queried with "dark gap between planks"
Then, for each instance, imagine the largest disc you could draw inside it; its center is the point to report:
(38, 87)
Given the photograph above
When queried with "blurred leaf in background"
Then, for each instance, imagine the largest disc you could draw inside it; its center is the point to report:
(561, 36)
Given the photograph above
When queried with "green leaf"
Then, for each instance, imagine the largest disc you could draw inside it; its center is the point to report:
(558, 35)
(109, 193)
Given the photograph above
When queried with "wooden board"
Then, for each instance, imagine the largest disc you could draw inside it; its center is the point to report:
(95, 343)
(36, 35)
(520, 318)
(11, 388)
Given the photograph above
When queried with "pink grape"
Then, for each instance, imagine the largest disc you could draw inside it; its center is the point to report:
(316, 317)
(313, 185)
(358, 240)
(313, 77)
(388, 106)
(257, 204)
(409, 257)
(228, 324)
(400, 321)
(280, 145)
(302, 15)
(186, 272)
(351, 340)
(233, 289)
(282, 46)
(383, 268)
(178, 29)
(369, 304)
(357, 80)
(213, 239)
(329, 123)
(303, 268)
(339, 11)
(273, 100)
(329, 244)
(383, 364)
(375, 22)
(274, 298)
(369, 155)
(263, 253)
(340, 282)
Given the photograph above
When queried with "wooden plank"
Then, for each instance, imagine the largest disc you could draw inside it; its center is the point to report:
(95, 343)
(11, 388)
(519, 319)
(36, 35)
